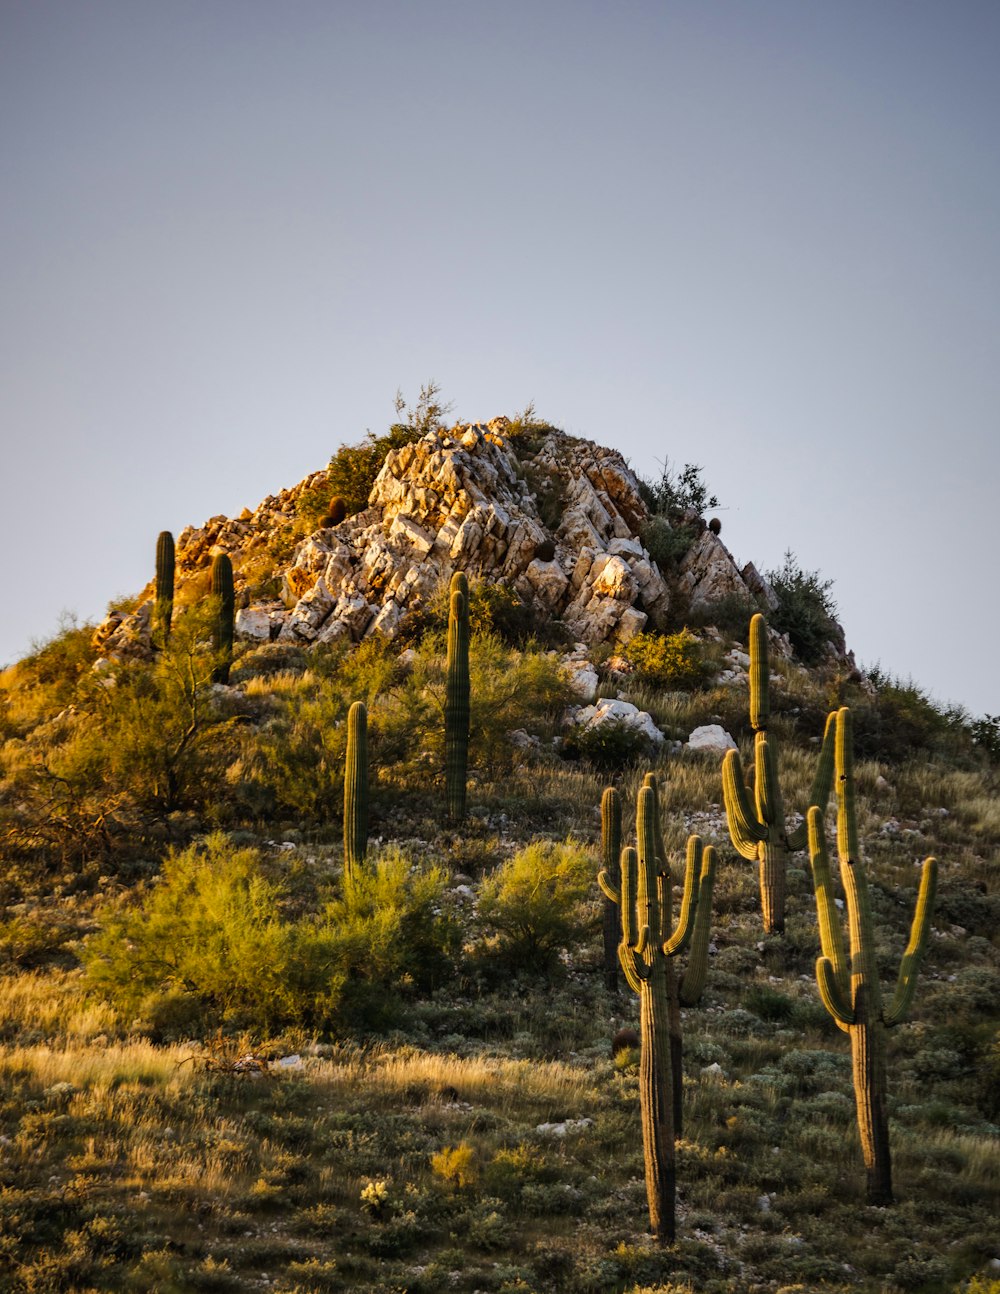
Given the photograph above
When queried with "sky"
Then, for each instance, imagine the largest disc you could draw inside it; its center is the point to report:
(756, 235)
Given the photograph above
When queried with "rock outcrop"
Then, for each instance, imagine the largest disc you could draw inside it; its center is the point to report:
(556, 518)
(462, 500)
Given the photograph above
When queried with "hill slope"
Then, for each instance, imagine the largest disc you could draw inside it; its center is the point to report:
(448, 1114)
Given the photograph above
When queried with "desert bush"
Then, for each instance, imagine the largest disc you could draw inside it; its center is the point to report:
(212, 928)
(539, 903)
(353, 468)
(806, 611)
(607, 746)
(901, 719)
(676, 494)
(217, 931)
(666, 542)
(670, 661)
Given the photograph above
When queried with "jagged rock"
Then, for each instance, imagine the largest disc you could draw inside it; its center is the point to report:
(709, 574)
(126, 636)
(759, 587)
(460, 499)
(582, 677)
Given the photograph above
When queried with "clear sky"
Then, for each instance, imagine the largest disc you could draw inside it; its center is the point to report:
(760, 235)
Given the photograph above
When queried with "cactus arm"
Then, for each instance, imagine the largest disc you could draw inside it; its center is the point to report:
(635, 971)
(693, 983)
(759, 674)
(913, 956)
(609, 891)
(661, 853)
(766, 788)
(611, 848)
(745, 831)
(680, 938)
(629, 886)
(831, 936)
(819, 795)
(831, 993)
(847, 824)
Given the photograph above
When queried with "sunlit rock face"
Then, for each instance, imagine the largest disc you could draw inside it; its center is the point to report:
(463, 500)
(473, 498)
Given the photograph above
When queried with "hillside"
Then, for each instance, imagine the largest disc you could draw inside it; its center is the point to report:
(230, 1062)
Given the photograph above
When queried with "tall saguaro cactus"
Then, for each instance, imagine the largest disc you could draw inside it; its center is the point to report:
(456, 705)
(758, 832)
(356, 789)
(649, 942)
(611, 848)
(849, 986)
(163, 604)
(222, 635)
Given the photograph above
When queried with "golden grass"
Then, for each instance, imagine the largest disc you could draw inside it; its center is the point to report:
(52, 1003)
(95, 1067)
(490, 1080)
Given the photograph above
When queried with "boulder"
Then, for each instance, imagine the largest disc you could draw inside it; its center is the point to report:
(711, 736)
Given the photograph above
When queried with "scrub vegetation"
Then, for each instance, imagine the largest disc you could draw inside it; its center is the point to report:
(227, 1062)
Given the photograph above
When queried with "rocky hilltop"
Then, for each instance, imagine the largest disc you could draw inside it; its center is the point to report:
(557, 518)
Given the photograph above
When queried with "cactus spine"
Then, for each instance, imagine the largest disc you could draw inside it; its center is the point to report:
(849, 987)
(222, 633)
(648, 944)
(163, 605)
(356, 790)
(758, 832)
(611, 847)
(456, 706)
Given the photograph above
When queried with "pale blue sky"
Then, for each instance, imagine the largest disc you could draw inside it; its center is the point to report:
(762, 236)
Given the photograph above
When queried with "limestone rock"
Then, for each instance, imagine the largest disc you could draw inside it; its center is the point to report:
(709, 574)
(711, 736)
(623, 712)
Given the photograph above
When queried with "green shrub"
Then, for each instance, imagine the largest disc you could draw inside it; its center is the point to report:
(675, 494)
(353, 469)
(539, 903)
(217, 931)
(901, 719)
(213, 928)
(670, 661)
(607, 746)
(667, 543)
(806, 611)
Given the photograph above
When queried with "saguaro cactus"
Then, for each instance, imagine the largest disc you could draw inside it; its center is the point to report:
(456, 706)
(611, 848)
(356, 789)
(163, 604)
(648, 943)
(850, 988)
(222, 635)
(699, 882)
(759, 833)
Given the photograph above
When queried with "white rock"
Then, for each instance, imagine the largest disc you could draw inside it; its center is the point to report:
(253, 623)
(582, 678)
(623, 712)
(711, 736)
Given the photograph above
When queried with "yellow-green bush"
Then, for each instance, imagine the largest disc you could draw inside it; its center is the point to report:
(670, 661)
(539, 902)
(218, 932)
